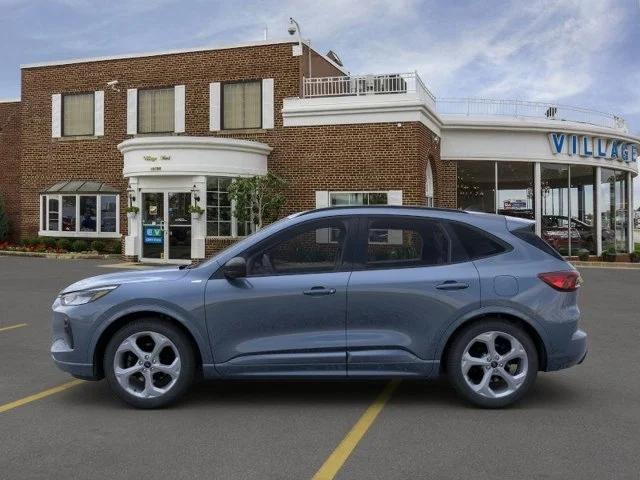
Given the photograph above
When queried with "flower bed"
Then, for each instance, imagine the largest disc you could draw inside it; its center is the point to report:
(57, 246)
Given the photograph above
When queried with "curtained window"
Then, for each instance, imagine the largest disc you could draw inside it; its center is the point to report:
(77, 114)
(156, 110)
(242, 105)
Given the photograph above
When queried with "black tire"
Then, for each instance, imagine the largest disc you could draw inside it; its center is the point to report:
(182, 344)
(454, 362)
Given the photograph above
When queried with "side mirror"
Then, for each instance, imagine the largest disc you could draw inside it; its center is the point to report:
(235, 268)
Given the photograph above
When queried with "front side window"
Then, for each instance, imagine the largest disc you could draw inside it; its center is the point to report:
(242, 105)
(301, 251)
(156, 110)
(405, 242)
(78, 114)
(80, 215)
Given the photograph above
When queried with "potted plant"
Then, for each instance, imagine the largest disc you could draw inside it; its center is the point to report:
(583, 254)
(196, 211)
(132, 211)
(609, 255)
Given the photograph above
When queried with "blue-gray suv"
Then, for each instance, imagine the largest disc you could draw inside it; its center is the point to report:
(353, 292)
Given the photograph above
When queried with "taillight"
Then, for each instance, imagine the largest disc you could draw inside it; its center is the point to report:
(562, 281)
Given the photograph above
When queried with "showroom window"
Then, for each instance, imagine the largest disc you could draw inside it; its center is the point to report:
(614, 210)
(156, 110)
(515, 189)
(221, 221)
(78, 209)
(78, 114)
(477, 186)
(242, 105)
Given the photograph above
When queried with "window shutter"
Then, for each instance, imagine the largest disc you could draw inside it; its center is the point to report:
(214, 106)
(394, 197)
(98, 112)
(132, 111)
(267, 103)
(56, 115)
(179, 94)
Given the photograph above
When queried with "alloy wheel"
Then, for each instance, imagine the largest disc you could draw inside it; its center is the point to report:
(147, 364)
(494, 364)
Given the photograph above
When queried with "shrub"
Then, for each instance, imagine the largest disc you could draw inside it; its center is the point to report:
(48, 242)
(28, 241)
(98, 246)
(4, 221)
(64, 244)
(79, 245)
(583, 254)
(609, 255)
(115, 248)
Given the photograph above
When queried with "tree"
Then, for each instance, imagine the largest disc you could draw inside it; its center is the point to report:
(4, 220)
(258, 199)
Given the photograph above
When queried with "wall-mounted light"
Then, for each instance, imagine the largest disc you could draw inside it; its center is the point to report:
(196, 194)
(132, 197)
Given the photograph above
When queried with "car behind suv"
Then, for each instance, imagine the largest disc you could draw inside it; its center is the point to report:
(357, 292)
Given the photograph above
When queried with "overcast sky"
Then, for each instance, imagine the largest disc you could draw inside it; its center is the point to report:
(580, 52)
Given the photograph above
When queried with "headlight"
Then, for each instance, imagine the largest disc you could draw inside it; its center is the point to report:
(85, 296)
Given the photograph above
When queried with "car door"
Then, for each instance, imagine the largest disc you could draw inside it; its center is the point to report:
(409, 282)
(287, 317)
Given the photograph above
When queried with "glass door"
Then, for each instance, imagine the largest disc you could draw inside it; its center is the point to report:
(179, 222)
(153, 222)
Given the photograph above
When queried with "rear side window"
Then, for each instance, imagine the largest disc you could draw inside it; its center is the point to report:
(528, 234)
(475, 242)
(405, 242)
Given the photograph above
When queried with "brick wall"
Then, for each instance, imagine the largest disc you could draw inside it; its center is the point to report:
(381, 156)
(10, 162)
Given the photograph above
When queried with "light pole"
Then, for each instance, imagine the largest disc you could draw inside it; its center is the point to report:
(294, 27)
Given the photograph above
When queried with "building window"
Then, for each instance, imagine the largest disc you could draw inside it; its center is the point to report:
(156, 110)
(78, 215)
(221, 222)
(477, 186)
(428, 189)
(78, 114)
(614, 210)
(515, 189)
(357, 198)
(242, 105)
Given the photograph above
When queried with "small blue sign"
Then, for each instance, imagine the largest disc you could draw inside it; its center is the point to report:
(153, 235)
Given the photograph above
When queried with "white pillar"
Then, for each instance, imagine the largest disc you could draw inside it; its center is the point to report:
(131, 241)
(537, 195)
(630, 241)
(598, 206)
(199, 225)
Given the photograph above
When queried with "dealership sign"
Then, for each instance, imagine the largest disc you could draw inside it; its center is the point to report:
(591, 146)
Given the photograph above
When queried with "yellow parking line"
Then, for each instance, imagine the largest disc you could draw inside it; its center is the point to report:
(4, 329)
(37, 396)
(335, 461)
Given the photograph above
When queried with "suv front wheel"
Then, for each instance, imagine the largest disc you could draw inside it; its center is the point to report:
(149, 363)
(492, 363)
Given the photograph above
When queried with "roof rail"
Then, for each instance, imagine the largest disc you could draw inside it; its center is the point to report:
(403, 207)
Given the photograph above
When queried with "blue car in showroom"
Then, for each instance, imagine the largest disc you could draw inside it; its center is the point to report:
(335, 293)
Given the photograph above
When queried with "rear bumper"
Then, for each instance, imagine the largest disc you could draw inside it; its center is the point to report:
(574, 353)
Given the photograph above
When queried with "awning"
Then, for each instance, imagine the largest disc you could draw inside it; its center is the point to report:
(80, 187)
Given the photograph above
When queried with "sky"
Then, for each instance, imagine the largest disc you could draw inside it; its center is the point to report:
(576, 52)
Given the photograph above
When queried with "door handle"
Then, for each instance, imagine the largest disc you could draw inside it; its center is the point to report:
(319, 291)
(452, 285)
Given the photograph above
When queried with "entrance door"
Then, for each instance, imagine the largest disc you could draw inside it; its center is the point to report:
(179, 222)
(153, 222)
(166, 226)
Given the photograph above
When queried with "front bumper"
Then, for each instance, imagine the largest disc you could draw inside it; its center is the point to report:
(69, 346)
(574, 353)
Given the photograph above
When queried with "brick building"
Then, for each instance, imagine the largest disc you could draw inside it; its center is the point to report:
(162, 131)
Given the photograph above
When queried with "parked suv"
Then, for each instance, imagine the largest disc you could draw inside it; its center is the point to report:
(353, 292)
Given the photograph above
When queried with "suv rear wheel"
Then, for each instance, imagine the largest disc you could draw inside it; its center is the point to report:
(492, 363)
(149, 363)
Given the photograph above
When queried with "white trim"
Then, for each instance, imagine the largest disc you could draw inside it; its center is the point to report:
(268, 103)
(214, 107)
(63, 234)
(132, 111)
(537, 188)
(98, 113)
(44, 225)
(56, 115)
(630, 209)
(394, 197)
(179, 108)
(598, 208)
(9, 100)
(322, 198)
(175, 52)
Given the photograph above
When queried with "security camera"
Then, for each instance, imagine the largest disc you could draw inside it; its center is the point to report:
(112, 85)
(291, 29)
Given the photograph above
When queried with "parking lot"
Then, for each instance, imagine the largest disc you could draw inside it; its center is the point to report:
(580, 423)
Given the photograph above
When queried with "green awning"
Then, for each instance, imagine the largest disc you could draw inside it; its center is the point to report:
(81, 187)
